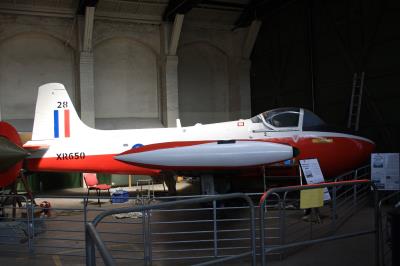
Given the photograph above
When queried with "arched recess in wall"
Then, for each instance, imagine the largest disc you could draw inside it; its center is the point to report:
(126, 84)
(27, 61)
(203, 83)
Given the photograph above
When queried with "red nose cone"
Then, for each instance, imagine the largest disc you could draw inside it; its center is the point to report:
(337, 155)
(11, 154)
(368, 148)
(356, 153)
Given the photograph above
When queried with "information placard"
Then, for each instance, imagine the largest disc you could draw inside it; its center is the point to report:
(311, 198)
(385, 170)
(313, 174)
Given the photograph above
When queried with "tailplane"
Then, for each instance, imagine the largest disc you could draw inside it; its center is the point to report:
(55, 115)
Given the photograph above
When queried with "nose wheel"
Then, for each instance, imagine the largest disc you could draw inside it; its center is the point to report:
(170, 181)
(211, 185)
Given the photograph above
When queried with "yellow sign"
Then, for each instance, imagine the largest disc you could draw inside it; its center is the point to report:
(322, 140)
(311, 198)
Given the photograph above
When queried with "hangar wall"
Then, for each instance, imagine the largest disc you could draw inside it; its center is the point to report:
(128, 76)
(209, 67)
(344, 37)
(33, 51)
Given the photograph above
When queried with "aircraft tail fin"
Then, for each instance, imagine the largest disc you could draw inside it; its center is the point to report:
(55, 114)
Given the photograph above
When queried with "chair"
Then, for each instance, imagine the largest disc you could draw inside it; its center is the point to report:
(93, 184)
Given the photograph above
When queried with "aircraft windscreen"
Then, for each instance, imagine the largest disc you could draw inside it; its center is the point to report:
(282, 117)
(312, 121)
(256, 119)
(289, 117)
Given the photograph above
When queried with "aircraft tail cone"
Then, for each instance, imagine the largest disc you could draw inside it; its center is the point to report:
(10, 154)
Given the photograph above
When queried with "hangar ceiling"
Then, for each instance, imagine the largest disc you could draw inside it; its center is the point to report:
(237, 13)
(146, 11)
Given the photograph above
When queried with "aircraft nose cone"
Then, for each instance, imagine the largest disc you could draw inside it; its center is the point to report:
(10, 154)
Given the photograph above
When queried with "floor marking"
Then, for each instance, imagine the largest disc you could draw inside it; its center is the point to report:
(57, 260)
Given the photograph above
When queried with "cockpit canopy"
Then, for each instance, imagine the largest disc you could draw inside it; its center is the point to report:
(290, 118)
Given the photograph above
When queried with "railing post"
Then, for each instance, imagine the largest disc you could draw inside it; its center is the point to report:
(90, 250)
(253, 234)
(145, 238)
(215, 228)
(29, 224)
(149, 234)
(262, 234)
(33, 223)
(377, 225)
(282, 220)
(354, 196)
(89, 246)
(334, 210)
(85, 199)
(355, 190)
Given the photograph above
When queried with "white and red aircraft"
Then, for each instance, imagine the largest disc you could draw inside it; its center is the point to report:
(62, 142)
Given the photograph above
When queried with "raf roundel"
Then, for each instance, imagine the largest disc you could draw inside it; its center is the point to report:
(138, 145)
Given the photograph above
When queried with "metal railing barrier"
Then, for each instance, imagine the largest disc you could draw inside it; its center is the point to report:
(17, 224)
(337, 190)
(385, 250)
(93, 238)
(163, 231)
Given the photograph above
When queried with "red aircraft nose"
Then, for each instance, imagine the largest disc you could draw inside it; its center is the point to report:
(352, 153)
(366, 148)
(336, 154)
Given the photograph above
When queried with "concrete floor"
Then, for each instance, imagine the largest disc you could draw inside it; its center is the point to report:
(68, 215)
(351, 252)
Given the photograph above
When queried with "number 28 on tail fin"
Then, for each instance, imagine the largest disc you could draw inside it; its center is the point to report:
(58, 119)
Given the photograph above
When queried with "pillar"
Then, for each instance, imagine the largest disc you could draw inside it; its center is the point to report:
(245, 67)
(171, 97)
(171, 90)
(245, 89)
(86, 72)
(86, 81)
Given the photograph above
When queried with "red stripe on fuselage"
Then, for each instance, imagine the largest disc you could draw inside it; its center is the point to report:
(91, 163)
(66, 123)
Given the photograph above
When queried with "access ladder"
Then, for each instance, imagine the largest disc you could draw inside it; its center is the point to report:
(355, 102)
